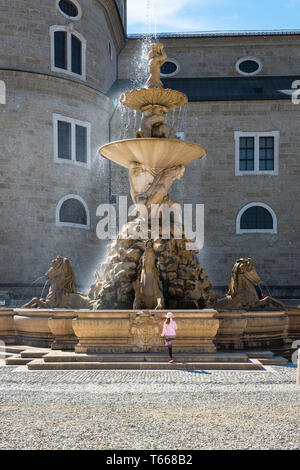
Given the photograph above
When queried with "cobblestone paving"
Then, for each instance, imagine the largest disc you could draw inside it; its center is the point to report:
(149, 409)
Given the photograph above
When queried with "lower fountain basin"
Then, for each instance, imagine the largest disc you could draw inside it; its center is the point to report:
(32, 327)
(131, 331)
(153, 153)
(7, 325)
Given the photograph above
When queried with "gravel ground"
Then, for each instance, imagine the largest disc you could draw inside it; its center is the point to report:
(165, 410)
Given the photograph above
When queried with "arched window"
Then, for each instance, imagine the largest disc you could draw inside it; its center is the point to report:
(68, 51)
(256, 218)
(72, 211)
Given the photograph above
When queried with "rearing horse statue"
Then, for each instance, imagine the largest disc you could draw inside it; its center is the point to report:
(242, 290)
(62, 293)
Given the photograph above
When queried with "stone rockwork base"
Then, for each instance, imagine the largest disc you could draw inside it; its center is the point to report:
(32, 327)
(126, 331)
(7, 326)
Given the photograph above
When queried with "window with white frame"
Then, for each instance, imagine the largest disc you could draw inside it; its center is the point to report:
(72, 211)
(72, 141)
(256, 217)
(68, 51)
(248, 66)
(257, 153)
(170, 68)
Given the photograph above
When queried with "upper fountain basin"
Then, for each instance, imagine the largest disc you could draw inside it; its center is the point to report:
(153, 153)
(141, 99)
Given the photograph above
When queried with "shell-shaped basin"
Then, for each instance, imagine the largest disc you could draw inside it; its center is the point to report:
(145, 97)
(153, 153)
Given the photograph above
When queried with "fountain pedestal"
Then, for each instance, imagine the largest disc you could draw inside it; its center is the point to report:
(128, 331)
(155, 159)
(60, 325)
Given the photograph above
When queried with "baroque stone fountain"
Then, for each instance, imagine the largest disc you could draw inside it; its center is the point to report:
(148, 267)
(152, 265)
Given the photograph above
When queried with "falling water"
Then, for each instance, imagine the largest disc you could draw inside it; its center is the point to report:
(267, 289)
(44, 288)
(183, 118)
(34, 282)
(24, 297)
(170, 119)
(140, 60)
(151, 17)
(135, 120)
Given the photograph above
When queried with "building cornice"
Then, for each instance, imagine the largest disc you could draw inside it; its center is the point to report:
(50, 76)
(219, 34)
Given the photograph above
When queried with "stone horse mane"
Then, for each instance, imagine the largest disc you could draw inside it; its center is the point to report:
(66, 280)
(241, 266)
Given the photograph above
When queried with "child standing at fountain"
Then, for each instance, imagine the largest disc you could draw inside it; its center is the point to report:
(169, 331)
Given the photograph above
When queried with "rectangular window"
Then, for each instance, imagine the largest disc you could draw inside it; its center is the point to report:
(72, 141)
(257, 153)
(60, 49)
(266, 153)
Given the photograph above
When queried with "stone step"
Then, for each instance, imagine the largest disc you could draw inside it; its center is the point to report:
(40, 364)
(259, 354)
(17, 360)
(13, 349)
(273, 361)
(5, 355)
(38, 353)
(59, 356)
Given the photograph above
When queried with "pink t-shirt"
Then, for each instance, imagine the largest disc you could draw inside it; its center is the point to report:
(170, 329)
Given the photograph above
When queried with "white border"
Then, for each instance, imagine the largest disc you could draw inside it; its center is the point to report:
(69, 224)
(110, 50)
(2, 92)
(255, 59)
(73, 122)
(69, 30)
(256, 135)
(75, 18)
(252, 204)
(174, 61)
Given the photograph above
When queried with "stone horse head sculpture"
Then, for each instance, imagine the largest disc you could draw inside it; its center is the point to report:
(62, 293)
(242, 290)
